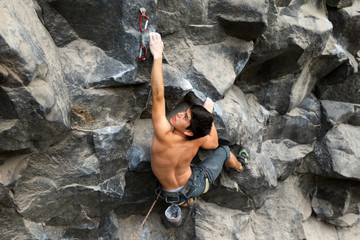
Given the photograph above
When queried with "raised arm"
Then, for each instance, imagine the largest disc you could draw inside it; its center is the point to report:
(211, 141)
(161, 124)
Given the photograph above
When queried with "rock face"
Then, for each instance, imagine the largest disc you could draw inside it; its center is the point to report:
(76, 130)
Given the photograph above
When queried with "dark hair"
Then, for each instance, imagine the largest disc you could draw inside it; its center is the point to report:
(200, 123)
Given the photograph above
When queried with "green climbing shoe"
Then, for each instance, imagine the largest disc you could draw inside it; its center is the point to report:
(243, 156)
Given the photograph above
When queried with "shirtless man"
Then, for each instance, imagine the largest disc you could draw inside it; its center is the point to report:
(177, 141)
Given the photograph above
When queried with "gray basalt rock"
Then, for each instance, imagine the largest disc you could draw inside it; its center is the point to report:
(60, 30)
(175, 15)
(281, 216)
(336, 155)
(214, 67)
(341, 112)
(10, 169)
(328, 61)
(139, 154)
(111, 145)
(2, 191)
(315, 229)
(244, 20)
(110, 84)
(306, 118)
(118, 105)
(88, 66)
(339, 3)
(212, 221)
(285, 155)
(246, 189)
(284, 48)
(35, 101)
(63, 184)
(341, 85)
(76, 130)
(201, 34)
(12, 225)
(234, 122)
(343, 146)
(119, 35)
(346, 25)
(335, 201)
(39, 231)
(282, 213)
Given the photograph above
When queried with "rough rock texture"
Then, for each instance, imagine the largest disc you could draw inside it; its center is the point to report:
(76, 130)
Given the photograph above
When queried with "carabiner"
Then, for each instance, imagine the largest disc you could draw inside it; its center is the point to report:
(142, 50)
(143, 10)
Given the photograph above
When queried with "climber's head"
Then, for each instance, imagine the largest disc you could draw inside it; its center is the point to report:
(200, 123)
(194, 123)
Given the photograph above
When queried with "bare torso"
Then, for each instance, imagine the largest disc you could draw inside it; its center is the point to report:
(171, 151)
(171, 158)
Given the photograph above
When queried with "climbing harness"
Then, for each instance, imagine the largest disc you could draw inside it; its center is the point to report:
(183, 195)
(147, 215)
(142, 53)
(180, 197)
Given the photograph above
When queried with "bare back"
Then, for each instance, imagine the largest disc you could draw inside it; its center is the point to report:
(171, 158)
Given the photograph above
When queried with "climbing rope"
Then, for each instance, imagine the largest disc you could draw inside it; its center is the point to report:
(147, 215)
(142, 53)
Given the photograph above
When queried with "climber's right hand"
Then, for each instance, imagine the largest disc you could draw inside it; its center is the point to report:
(156, 45)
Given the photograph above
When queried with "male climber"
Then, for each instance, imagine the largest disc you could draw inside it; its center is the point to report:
(177, 141)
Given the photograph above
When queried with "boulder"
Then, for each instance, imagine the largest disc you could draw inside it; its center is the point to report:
(88, 66)
(10, 170)
(111, 145)
(119, 36)
(63, 184)
(139, 154)
(32, 86)
(215, 66)
(282, 213)
(319, 67)
(341, 85)
(279, 217)
(12, 225)
(118, 105)
(343, 146)
(336, 155)
(339, 3)
(176, 15)
(244, 20)
(341, 112)
(297, 35)
(285, 155)
(247, 189)
(346, 24)
(306, 118)
(233, 119)
(334, 203)
(213, 221)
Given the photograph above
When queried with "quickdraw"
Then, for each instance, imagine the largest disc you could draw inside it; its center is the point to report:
(143, 11)
(142, 53)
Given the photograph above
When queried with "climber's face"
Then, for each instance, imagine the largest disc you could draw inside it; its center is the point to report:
(181, 120)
